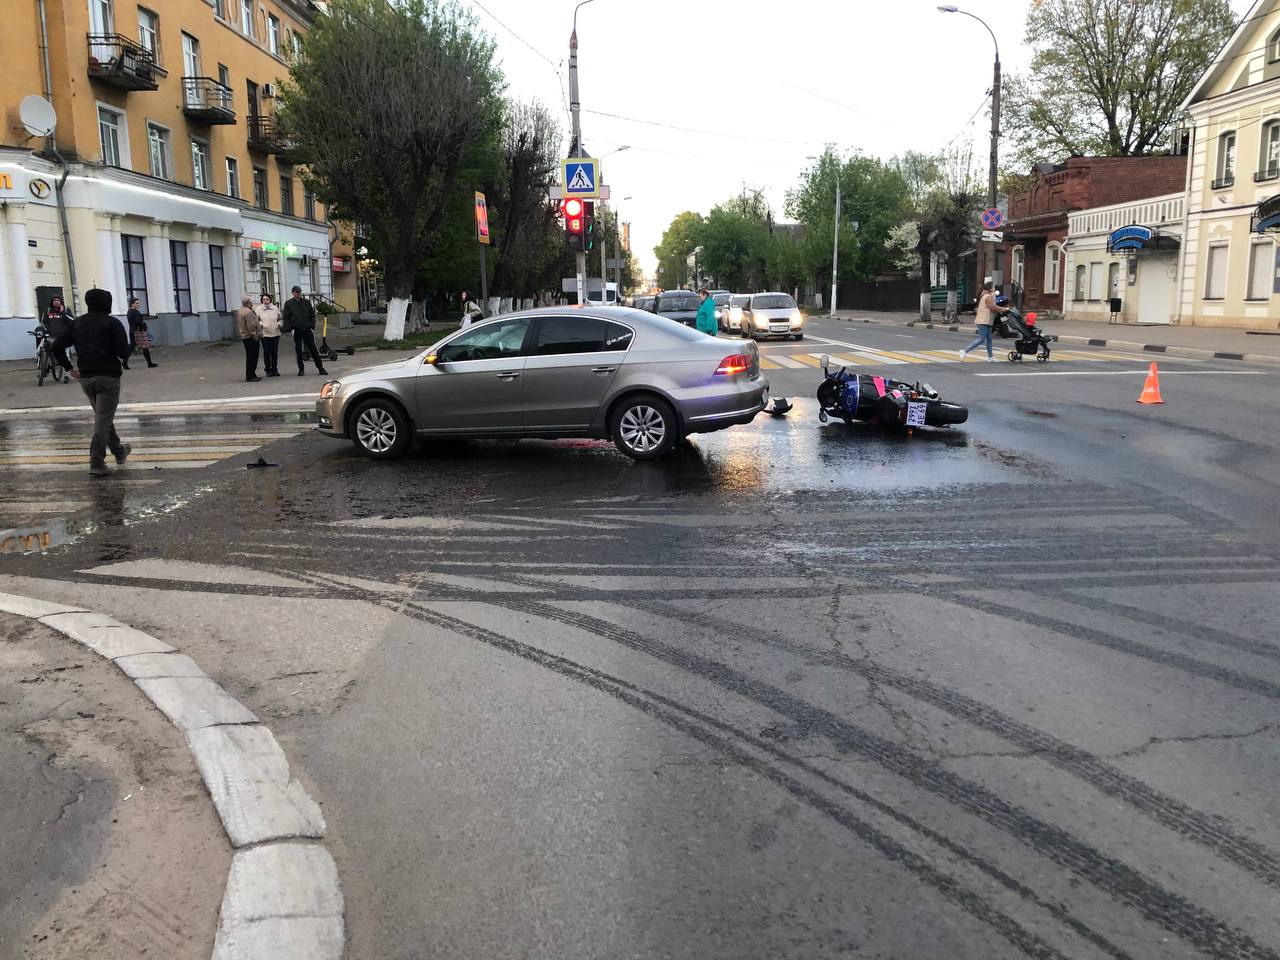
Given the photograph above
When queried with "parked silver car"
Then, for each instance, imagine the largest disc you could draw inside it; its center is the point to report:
(772, 315)
(609, 372)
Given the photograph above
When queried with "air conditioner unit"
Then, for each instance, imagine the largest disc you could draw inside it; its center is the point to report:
(268, 90)
(255, 257)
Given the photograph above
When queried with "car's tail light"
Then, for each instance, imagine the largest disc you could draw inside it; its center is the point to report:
(736, 363)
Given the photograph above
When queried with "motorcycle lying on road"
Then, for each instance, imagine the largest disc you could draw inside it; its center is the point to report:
(882, 401)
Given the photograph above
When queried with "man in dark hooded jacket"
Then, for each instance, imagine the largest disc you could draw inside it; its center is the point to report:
(101, 347)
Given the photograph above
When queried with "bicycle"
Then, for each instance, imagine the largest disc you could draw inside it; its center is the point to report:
(46, 363)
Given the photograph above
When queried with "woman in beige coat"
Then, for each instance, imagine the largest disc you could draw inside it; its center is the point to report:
(248, 327)
(269, 331)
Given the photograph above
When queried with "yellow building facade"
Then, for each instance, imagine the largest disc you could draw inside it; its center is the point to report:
(1229, 273)
(168, 164)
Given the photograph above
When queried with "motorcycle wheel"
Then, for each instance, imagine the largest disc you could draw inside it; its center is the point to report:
(941, 413)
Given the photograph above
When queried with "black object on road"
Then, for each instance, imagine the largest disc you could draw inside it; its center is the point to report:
(781, 407)
(260, 462)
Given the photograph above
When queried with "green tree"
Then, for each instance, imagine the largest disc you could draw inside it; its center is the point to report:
(678, 241)
(425, 89)
(1108, 76)
(735, 241)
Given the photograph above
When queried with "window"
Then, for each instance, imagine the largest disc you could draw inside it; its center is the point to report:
(217, 277)
(181, 276)
(273, 34)
(561, 335)
(286, 194)
(260, 188)
(224, 78)
(1215, 273)
(149, 32)
(1226, 160)
(295, 40)
(491, 341)
(102, 16)
(110, 132)
(776, 301)
(159, 148)
(220, 9)
(1095, 281)
(1261, 270)
(246, 17)
(1269, 162)
(1273, 47)
(1079, 293)
(135, 271)
(201, 178)
(233, 177)
(1052, 268)
(1019, 266)
(1113, 280)
(308, 204)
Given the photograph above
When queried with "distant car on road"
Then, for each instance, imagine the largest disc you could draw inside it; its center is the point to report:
(604, 372)
(644, 303)
(772, 315)
(679, 305)
(721, 299)
(731, 322)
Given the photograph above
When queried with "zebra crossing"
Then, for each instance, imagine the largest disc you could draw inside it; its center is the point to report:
(858, 355)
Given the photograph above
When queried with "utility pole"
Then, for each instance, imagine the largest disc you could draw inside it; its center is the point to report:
(835, 250)
(576, 148)
(604, 257)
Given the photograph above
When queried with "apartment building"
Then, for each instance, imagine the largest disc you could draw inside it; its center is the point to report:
(176, 181)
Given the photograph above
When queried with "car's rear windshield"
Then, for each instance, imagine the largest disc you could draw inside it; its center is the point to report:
(773, 301)
(678, 301)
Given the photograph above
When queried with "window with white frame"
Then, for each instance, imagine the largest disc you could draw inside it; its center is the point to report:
(233, 177)
(246, 17)
(1020, 266)
(158, 146)
(201, 176)
(1052, 268)
(1273, 47)
(113, 137)
(1113, 280)
(1261, 270)
(1226, 169)
(1215, 272)
(295, 41)
(149, 32)
(1080, 281)
(1269, 162)
(1095, 280)
(273, 34)
(220, 9)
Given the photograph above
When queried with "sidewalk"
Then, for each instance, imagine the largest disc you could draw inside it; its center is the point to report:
(198, 371)
(1199, 342)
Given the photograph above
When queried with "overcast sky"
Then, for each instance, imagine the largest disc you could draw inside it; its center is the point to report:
(759, 85)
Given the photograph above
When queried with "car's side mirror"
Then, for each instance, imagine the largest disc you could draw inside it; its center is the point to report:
(824, 362)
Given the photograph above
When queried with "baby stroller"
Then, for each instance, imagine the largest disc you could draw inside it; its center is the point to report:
(1029, 339)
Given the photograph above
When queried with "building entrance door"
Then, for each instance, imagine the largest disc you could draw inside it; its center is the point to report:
(1155, 289)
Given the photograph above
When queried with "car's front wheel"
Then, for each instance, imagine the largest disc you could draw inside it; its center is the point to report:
(644, 427)
(380, 430)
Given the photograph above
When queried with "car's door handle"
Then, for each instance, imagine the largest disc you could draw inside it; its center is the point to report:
(603, 369)
(508, 375)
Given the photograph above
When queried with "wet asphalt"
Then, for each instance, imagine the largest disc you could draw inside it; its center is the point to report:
(798, 690)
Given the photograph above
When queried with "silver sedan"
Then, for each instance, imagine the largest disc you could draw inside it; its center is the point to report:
(609, 372)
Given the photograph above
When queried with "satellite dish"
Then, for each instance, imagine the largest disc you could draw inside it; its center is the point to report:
(37, 116)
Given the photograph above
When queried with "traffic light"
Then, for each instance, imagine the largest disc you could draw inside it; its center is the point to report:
(588, 224)
(574, 225)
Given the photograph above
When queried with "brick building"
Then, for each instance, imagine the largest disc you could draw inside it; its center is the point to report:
(1035, 232)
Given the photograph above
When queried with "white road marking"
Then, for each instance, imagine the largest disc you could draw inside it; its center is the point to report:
(143, 405)
(782, 360)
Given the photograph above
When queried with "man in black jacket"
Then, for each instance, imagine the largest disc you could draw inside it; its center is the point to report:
(101, 347)
(299, 316)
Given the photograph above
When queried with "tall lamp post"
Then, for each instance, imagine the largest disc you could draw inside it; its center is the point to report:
(995, 129)
(575, 149)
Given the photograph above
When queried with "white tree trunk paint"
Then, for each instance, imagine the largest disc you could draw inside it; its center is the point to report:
(395, 318)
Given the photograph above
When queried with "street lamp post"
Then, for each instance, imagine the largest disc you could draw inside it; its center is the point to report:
(991, 248)
(575, 149)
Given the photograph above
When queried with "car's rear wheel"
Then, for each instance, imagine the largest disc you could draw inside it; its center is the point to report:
(380, 430)
(644, 427)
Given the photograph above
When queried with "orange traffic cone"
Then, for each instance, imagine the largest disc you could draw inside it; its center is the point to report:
(1151, 389)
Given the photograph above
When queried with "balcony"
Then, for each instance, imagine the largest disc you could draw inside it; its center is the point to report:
(1270, 173)
(265, 136)
(122, 63)
(205, 100)
(1223, 182)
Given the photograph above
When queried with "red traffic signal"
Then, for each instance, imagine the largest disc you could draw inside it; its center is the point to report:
(574, 223)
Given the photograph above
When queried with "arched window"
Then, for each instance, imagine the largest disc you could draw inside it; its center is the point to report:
(1019, 266)
(1226, 167)
(1052, 268)
(1273, 47)
(1080, 282)
(1269, 161)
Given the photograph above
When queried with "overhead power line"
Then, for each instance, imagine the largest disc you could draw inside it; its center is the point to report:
(711, 133)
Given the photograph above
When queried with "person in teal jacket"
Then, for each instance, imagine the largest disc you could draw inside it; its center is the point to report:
(706, 320)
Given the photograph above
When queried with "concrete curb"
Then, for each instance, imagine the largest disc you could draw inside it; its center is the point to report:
(1191, 353)
(282, 900)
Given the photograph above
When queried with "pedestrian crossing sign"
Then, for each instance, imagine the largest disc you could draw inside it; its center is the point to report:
(581, 177)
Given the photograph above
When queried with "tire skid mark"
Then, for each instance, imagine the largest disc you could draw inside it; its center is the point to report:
(1163, 907)
(668, 712)
(1186, 821)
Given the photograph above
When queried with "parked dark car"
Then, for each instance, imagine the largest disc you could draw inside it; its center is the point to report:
(681, 305)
